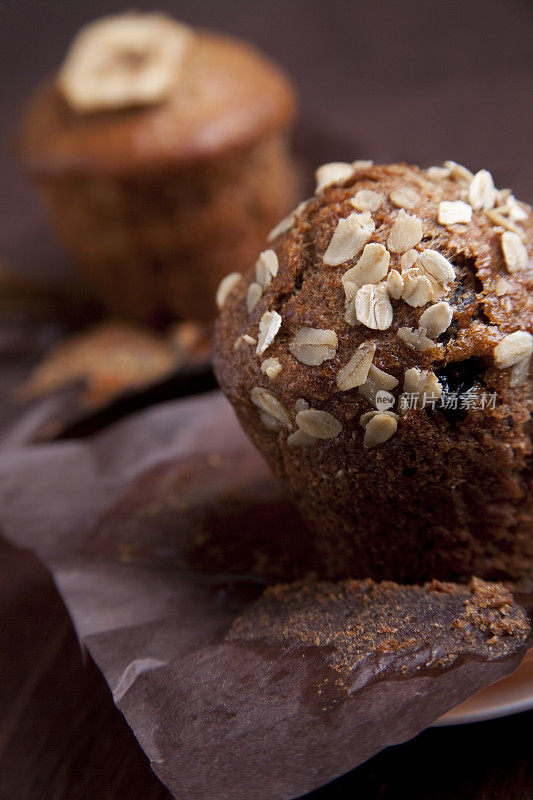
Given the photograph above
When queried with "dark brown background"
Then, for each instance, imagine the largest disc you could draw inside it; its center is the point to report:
(407, 80)
(413, 80)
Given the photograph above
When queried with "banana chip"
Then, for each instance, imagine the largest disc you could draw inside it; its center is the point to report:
(122, 61)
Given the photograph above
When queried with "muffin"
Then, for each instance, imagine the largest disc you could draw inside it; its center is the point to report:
(378, 355)
(162, 156)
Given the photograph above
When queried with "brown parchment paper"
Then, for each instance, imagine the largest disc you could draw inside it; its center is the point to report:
(69, 383)
(160, 532)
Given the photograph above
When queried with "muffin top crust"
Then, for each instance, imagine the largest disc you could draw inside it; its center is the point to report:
(142, 91)
(388, 291)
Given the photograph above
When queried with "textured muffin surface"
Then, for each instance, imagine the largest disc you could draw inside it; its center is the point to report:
(229, 96)
(162, 168)
(382, 366)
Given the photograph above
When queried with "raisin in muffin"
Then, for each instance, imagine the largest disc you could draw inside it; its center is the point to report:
(379, 357)
(161, 154)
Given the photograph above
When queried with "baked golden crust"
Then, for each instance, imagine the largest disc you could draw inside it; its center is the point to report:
(230, 96)
(429, 492)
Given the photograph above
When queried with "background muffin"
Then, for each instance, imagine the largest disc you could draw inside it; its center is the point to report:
(379, 357)
(161, 154)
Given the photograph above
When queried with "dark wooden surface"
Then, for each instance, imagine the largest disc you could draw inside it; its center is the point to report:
(415, 80)
(60, 734)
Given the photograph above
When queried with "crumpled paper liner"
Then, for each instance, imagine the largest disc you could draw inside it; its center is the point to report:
(140, 526)
(65, 384)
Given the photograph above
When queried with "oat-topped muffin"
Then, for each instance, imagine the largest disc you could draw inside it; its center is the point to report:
(379, 357)
(161, 154)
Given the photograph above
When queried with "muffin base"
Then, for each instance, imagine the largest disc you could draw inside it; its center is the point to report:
(156, 244)
(446, 510)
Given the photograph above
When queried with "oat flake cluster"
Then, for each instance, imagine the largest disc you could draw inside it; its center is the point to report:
(401, 270)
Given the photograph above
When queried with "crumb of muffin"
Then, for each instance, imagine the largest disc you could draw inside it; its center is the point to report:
(418, 627)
